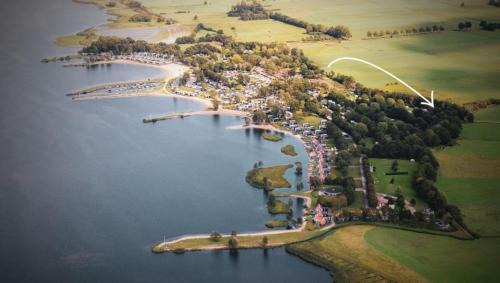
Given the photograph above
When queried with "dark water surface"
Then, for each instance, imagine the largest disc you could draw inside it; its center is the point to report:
(86, 188)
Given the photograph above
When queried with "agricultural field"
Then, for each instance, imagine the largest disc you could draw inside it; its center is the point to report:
(469, 173)
(346, 249)
(438, 258)
(451, 63)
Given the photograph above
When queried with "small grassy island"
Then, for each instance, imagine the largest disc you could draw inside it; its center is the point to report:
(289, 150)
(278, 207)
(272, 137)
(269, 178)
(276, 223)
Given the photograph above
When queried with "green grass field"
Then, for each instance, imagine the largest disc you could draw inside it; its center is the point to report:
(382, 181)
(491, 113)
(453, 64)
(347, 251)
(437, 258)
(469, 174)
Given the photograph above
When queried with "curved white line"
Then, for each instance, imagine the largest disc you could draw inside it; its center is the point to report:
(427, 102)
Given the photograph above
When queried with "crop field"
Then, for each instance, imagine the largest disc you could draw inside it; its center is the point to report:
(469, 174)
(438, 258)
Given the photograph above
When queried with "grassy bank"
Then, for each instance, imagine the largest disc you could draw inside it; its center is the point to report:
(269, 177)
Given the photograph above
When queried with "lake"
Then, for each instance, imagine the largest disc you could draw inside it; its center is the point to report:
(87, 188)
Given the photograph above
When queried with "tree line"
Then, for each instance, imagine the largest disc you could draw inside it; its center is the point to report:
(338, 32)
(371, 195)
(491, 26)
(404, 31)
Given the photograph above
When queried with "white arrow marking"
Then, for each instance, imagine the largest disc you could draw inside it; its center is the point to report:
(427, 102)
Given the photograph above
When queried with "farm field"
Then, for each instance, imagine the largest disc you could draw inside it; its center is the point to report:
(469, 174)
(438, 258)
(346, 249)
(450, 63)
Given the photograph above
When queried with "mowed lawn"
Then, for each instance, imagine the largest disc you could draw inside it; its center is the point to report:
(438, 258)
(383, 182)
(470, 174)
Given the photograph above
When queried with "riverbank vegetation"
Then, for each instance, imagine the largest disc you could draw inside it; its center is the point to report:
(269, 178)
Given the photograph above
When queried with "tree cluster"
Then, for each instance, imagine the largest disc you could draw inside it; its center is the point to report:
(339, 32)
(117, 46)
(491, 26)
(249, 11)
(464, 26)
(495, 3)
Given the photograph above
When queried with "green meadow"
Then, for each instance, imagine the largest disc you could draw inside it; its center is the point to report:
(470, 173)
(453, 64)
(403, 182)
(438, 258)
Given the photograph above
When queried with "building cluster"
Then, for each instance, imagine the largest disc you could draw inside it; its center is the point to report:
(230, 93)
(147, 58)
(320, 155)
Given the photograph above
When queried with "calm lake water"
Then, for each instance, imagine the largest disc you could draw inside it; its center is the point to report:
(86, 187)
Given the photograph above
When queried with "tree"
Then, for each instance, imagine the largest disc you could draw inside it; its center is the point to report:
(271, 199)
(298, 168)
(461, 26)
(315, 182)
(233, 243)
(369, 34)
(233, 233)
(265, 241)
(259, 117)
(394, 166)
(300, 186)
(215, 236)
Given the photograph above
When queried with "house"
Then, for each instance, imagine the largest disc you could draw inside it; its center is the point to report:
(319, 219)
